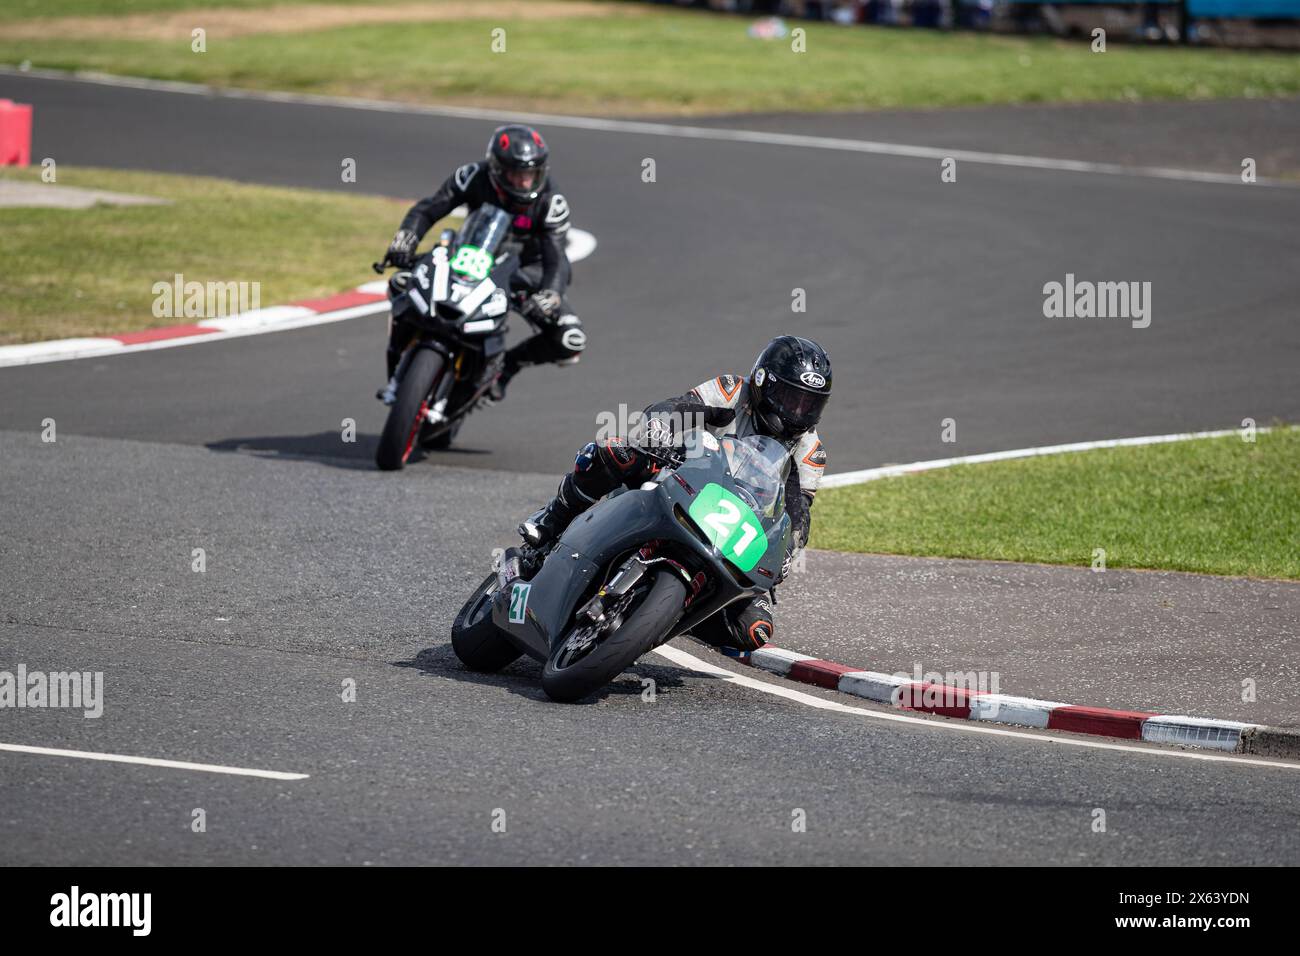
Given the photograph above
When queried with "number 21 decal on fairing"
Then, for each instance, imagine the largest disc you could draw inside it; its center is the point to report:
(518, 601)
(730, 526)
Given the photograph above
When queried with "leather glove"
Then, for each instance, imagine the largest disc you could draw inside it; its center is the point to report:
(547, 303)
(785, 566)
(401, 251)
(658, 434)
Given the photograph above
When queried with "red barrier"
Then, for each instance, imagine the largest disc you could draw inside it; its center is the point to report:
(15, 133)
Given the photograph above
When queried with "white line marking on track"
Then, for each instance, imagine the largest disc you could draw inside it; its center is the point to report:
(691, 662)
(645, 128)
(892, 471)
(153, 762)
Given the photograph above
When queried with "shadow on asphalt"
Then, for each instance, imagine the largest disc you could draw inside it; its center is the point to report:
(524, 677)
(326, 448)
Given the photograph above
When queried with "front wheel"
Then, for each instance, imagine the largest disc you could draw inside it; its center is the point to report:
(407, 414)
(478, 642)
(583, 663)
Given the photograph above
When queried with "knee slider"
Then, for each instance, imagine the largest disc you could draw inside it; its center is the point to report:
(572, 339)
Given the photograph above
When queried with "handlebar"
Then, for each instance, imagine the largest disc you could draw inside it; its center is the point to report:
(670, 460)
(521, 300)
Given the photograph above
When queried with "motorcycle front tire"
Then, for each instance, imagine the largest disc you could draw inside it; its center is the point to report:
(407, 413)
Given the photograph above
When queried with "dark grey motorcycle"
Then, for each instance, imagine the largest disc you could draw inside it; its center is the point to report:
(639, 568)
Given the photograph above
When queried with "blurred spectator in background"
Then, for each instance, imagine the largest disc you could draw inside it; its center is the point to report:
(974, 14)
(927, 13)
(1026, 17)
(1139, 20)
(1151, 29)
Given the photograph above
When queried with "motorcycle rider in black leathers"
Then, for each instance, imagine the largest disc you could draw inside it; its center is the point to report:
(514, 176)
(782, 398)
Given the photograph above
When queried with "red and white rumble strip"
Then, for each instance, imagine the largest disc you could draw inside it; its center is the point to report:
(908, 694)
(363, 300)
(366, 299)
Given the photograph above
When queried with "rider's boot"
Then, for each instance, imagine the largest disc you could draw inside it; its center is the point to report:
(536, 350)
(497, 391)
(544, 527)
(388, 394)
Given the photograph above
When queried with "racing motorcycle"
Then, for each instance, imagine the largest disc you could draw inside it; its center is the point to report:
(638, 568)
(457, 296)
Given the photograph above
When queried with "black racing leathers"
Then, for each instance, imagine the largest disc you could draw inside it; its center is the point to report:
(540, 232)
(541, 228)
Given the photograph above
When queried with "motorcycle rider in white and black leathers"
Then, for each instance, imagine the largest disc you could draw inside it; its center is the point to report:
(513, 175)
(783, 397)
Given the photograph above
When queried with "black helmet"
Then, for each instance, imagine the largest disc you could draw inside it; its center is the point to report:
(789, 386)
(517, 157)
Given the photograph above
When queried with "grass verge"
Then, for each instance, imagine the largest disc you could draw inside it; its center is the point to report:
(1220, 506)
(641, 59)
(74, 272)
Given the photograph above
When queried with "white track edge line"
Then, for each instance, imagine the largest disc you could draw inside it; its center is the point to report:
(892, 471)
(690, 662)
(153, 762)
(648, 128)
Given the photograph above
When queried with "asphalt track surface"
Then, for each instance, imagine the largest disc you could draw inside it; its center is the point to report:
(928, 295)
(321, 570)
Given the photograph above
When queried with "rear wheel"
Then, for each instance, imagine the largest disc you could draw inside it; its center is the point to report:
(407, 414)
(584, 662)
(478, 642)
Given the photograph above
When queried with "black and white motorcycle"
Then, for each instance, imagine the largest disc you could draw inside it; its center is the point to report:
(458, 297)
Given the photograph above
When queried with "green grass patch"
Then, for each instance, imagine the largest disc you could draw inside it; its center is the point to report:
(1220, 506)
(639, 59)
(74, 272)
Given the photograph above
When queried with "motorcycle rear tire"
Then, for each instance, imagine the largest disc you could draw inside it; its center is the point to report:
(478, 642)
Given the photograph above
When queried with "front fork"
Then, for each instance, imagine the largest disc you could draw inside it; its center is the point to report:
(442, 385)
(606, 608)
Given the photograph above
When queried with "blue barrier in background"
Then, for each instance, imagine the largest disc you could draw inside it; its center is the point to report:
(1238, 9)
(1222, 9)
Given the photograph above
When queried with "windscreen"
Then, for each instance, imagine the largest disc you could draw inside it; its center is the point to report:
(477, 243)
(758, 465)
